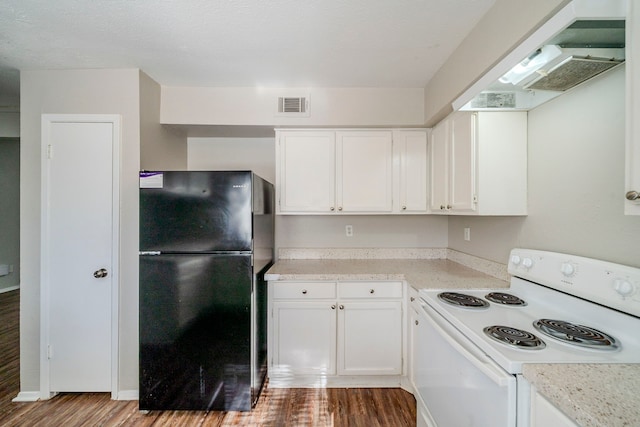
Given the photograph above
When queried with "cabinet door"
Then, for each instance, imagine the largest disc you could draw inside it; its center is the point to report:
(364, 164)
(370, 338)
(462, 171)
(306, 176)
(439, 162)
(412, 149)
(544, 413)
(304, 338)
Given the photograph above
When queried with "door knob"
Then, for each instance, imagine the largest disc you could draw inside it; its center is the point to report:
(632, 195)
(98, 274)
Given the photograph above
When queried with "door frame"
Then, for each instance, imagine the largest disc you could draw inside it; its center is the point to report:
(45, 286)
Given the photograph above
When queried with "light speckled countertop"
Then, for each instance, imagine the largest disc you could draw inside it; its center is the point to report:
(592, 395)
(419, 273)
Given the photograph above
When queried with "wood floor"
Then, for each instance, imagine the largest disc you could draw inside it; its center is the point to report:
(276, 407)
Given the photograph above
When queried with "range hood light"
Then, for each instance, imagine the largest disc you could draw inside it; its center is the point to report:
(531, 64)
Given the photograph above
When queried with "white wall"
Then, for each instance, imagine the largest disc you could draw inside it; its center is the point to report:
(576, 183)
(258, 106)
(85, 92)
(161, 148)
(10, 211)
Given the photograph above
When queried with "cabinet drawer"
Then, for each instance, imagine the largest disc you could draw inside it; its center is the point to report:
(304, 290)
(370, 289)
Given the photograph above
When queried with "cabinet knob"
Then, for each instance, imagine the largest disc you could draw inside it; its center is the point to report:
(412, 299)
(442, 207)
(371, 291)
(632, 195)
(404, 208)
(448, 206)
(304, 291)
(340, 208)
(332, 209)
(341, 307)
(417, 322)
(333, 307)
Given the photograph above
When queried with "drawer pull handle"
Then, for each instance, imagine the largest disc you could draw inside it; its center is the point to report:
(371, 291)
(304, 291)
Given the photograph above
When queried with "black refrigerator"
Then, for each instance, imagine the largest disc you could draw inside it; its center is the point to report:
(206, 240)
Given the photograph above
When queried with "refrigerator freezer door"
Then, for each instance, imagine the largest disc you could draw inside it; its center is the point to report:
(195, 332)
(196, 211)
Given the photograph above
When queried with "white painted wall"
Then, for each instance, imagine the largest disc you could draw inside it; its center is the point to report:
(576, 183)
(10, 211)
(258, 106)
(161, 148)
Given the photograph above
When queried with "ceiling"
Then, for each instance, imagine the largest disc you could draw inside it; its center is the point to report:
(276, 43)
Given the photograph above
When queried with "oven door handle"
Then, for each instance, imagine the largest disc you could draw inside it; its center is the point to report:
(478, 358)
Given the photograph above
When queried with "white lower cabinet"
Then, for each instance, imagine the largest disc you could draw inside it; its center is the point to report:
(370, 338)
(544, 413)
(324, 333)
(304, 338)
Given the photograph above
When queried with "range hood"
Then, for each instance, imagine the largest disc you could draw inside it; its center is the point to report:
(580, 52)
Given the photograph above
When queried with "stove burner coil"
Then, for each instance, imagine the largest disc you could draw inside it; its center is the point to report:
(462, 300)
(505, 299)
(579, 335)
(514, 337)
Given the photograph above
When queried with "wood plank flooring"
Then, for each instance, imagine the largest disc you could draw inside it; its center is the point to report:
(276, 407)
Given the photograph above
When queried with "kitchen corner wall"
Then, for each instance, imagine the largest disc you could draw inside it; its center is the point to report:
(576, 183)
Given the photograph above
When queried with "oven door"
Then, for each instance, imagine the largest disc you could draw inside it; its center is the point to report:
(457, 384)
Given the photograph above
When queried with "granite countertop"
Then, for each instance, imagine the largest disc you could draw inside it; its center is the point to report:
(419, 273)
(592, 395)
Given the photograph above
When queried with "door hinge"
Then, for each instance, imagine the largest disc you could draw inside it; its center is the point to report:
(49, 352)
(49, 151)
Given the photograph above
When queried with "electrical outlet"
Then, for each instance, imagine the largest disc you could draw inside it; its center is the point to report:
(348, 230)
(467, 234)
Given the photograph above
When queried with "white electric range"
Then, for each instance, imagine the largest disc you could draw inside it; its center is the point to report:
(559, 308)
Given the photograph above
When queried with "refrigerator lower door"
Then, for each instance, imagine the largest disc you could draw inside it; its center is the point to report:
(195, 332)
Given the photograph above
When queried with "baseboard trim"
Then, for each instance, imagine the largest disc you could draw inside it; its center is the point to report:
(128, 395)
(27, 396)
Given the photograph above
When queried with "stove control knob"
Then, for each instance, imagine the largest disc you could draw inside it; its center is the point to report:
(515, 259)
(623, 287)
(568, 269)
(527, 263)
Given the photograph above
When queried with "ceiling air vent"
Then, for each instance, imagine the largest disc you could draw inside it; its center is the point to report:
(293, 106)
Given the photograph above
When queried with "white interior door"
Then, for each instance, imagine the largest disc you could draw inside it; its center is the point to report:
(79, 263)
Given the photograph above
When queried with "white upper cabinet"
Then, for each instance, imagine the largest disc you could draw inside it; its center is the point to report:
(479, 164)
(411, 165)
(632, 155)
(364, 171)
(346, 171)
(307, 172)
